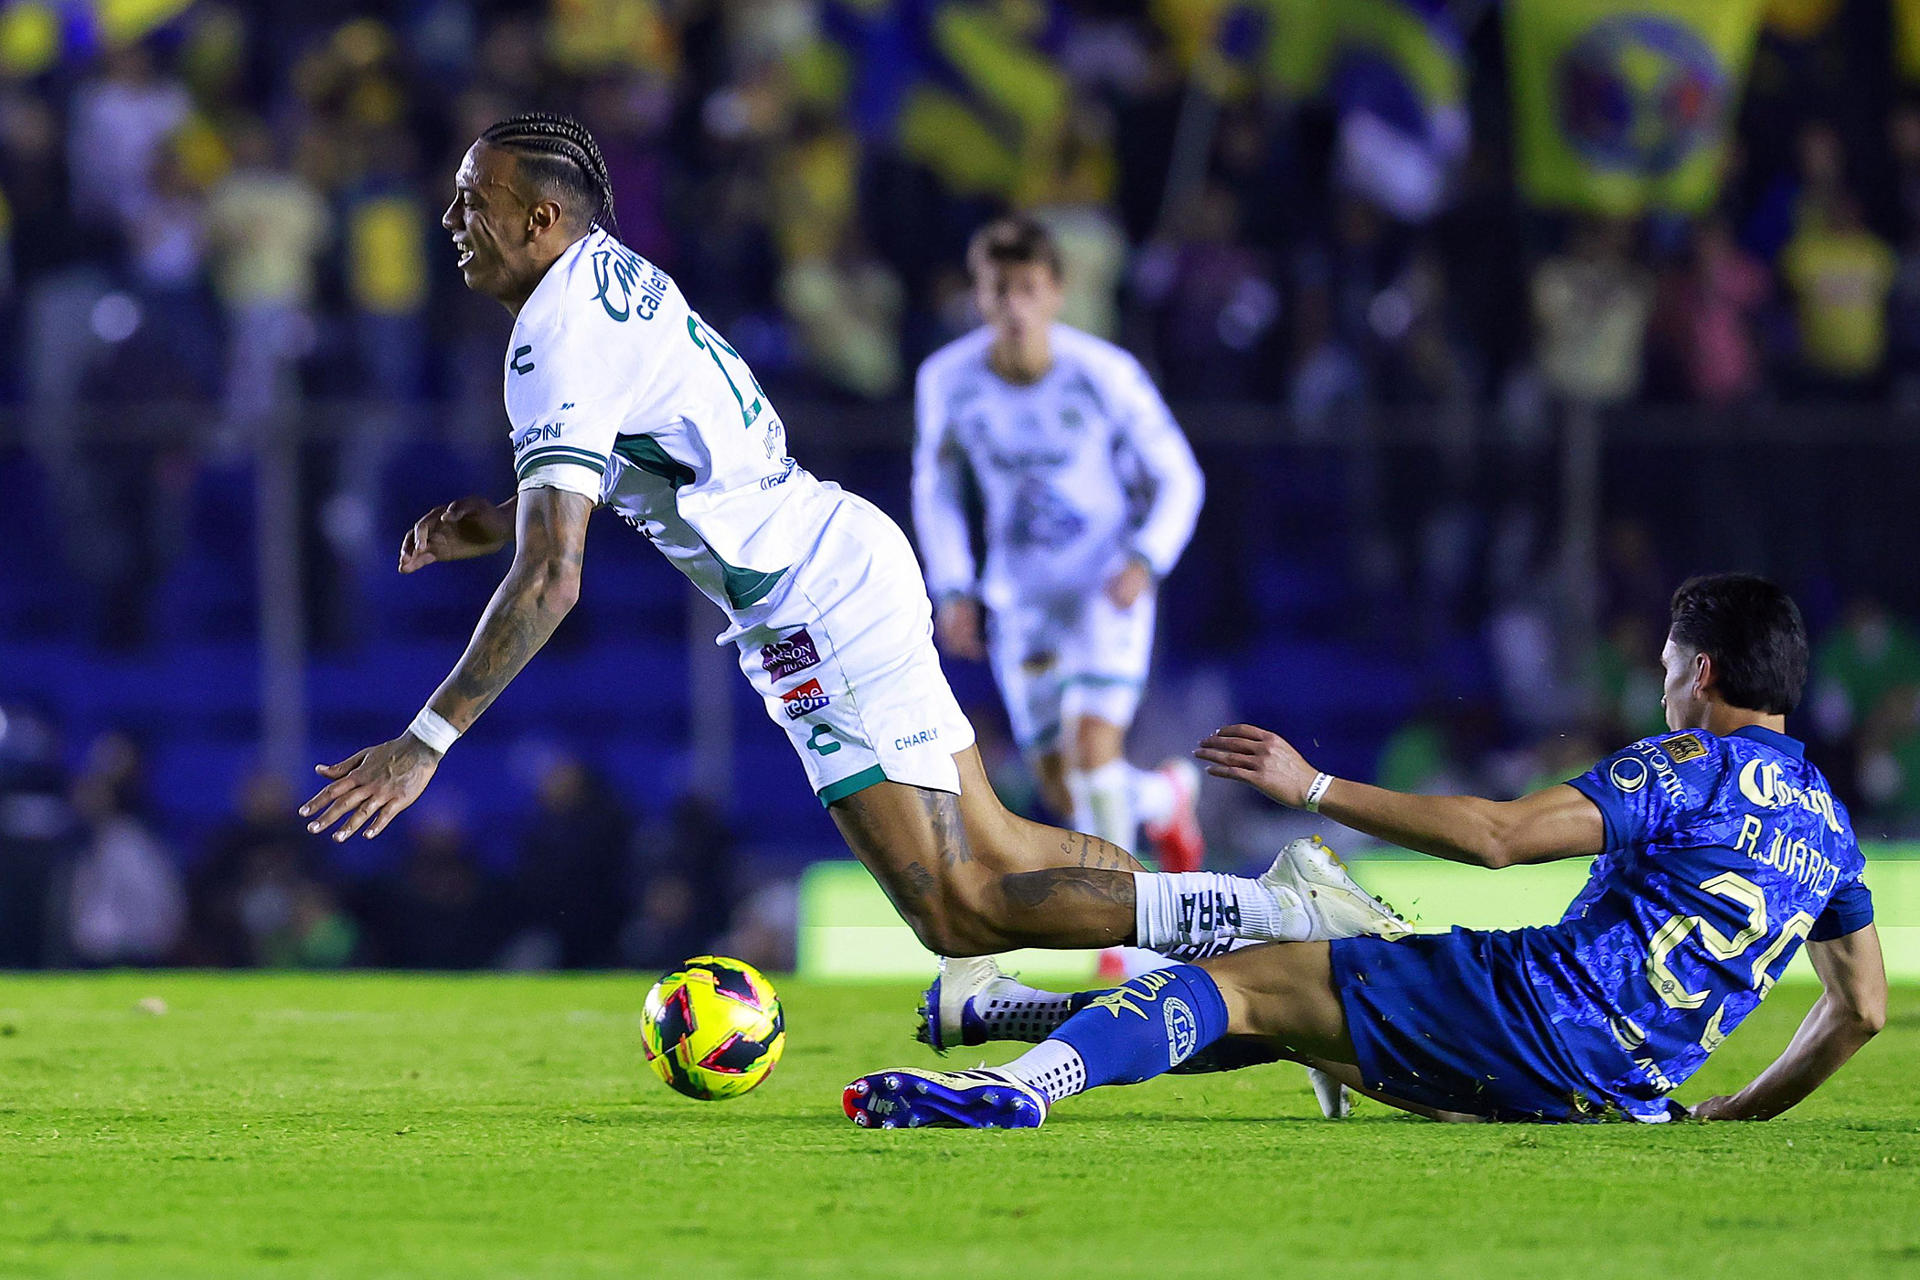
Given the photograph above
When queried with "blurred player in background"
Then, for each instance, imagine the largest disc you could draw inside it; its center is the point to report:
(1718, 850)
(1090, 494)
(621, 395)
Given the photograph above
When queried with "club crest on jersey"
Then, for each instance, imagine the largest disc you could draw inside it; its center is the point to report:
(804, 700)
(789, 655)
(1183, 1031)
(1685, 747)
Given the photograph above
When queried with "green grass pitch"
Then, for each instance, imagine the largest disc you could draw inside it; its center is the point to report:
(374, 1125)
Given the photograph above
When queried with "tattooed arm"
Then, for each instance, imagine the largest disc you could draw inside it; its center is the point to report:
(370, 787)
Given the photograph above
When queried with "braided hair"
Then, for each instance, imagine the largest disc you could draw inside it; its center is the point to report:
(559, 152)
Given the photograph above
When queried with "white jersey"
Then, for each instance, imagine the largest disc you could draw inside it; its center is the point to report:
(617, 390)
(1053, 462)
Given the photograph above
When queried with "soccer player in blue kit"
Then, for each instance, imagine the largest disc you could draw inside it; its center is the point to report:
(1718, 850)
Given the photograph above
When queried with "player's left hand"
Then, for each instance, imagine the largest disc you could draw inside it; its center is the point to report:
(371, 787)
(1263, 760)
(1128, 585)
(1718, 1108)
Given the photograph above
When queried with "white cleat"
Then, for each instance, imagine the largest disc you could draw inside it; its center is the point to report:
(944, 1006)
(1335, 1102)
(1339, 906)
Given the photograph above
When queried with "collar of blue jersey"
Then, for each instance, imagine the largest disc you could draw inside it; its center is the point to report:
(1778, 741)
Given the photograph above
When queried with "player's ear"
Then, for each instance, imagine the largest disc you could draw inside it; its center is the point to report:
(543, 216)
(1704, 675)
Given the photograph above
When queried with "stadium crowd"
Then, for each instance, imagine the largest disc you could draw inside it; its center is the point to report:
(248, 194)
(89, 877)
(236, 205)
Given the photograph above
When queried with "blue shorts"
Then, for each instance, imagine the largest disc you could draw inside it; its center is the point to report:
(1445, 1020)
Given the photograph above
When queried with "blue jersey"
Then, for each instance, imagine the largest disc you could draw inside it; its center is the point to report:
(1722, 856)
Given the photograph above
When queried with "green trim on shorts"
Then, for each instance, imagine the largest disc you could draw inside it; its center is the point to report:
(860, 781)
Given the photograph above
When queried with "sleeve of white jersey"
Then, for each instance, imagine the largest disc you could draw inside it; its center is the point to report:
(939, 489)
(1178, 486)
(565, 412)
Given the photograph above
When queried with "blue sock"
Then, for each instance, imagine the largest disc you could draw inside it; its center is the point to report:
(1147, 1025)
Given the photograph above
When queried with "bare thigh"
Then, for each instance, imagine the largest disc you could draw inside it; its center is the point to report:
(1283, 992)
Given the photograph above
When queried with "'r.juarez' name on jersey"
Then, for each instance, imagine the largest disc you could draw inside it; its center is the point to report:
(619, 391)
(1722, 856)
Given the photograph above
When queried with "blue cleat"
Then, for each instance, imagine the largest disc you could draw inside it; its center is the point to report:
(907, 1099)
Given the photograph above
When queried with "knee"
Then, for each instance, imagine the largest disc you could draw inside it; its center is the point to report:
(956, 922)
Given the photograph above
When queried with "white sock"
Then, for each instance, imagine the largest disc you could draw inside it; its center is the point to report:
(1173, 911)
(1152, 795)
(1054, 1067)
(1009, 1010)
(1103, 802)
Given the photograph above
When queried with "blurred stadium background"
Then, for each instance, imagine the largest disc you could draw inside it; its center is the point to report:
(1488, 324)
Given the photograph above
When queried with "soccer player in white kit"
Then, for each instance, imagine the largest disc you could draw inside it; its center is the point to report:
(1058, 432)
(621, 396)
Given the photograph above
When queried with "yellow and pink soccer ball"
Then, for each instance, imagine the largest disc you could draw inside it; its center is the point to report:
(713, 1028)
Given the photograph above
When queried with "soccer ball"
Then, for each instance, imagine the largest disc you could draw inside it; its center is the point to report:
(713, 1028)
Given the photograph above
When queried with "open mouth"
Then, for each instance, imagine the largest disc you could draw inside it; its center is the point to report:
(465, 252)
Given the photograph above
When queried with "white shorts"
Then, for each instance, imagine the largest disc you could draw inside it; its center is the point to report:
(1066, 659)
(844, 660)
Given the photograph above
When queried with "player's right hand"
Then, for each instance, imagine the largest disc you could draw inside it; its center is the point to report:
(957, 624)
(1260, 758)
(460, 530)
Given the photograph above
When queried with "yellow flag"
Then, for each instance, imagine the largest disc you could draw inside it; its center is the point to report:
(1625, 105)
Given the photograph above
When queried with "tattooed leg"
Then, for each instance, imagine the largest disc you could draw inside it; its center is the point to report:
(971, 850)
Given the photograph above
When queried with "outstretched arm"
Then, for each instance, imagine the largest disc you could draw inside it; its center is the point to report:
(460, 530)
(371, 786)
(1553, 823)
(1850, 1011)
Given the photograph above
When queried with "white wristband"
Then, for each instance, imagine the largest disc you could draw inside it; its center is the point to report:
(433, 730)
(1318, 791)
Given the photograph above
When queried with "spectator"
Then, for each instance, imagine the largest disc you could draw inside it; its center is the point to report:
(572, 883)
(290, 918)
(263, 819)
(685, 889)
(1840, 274)
(40, 837)
(1711, 316)
(847, 306)
(440, 911)
(121, 119)
(127, 902)
(266, 226)
(1590, 310)
(1866, 705)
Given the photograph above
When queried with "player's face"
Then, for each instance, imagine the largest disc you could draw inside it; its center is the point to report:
(1019, 299)
(1685, 708)
(489, 223)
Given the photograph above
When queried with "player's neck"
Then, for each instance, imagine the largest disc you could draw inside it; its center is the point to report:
(1723, 720)
(542, 264)
(1021, 364)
